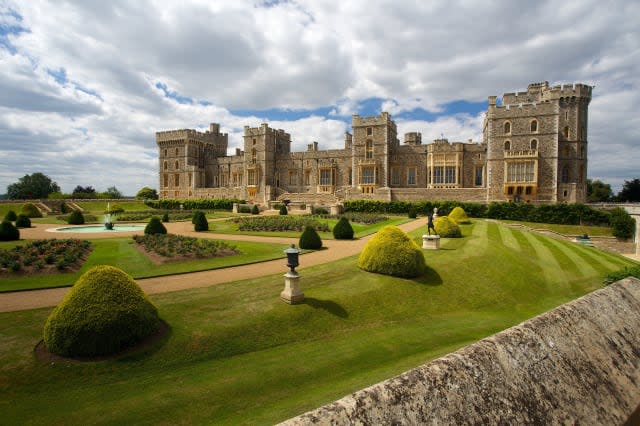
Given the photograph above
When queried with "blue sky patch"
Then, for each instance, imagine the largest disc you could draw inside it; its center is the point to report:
(7, 30)
(174, 95)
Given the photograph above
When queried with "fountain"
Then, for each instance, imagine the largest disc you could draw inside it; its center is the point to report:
(108, 223)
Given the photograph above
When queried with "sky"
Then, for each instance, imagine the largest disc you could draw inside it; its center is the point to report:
(84, 85)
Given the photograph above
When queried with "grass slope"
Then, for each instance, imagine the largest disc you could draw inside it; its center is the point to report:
(238, 355)
(119, 252)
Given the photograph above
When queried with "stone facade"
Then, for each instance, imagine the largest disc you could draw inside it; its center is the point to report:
(534, 149)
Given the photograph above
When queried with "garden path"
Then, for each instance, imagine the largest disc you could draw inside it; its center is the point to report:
(335, 250)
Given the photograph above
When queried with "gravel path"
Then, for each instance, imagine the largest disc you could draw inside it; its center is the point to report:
(335, 249)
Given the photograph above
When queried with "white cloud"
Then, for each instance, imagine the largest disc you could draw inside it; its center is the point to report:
(292, 55)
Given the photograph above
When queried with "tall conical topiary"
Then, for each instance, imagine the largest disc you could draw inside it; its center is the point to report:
(343, 230)
(104, 312)
(23, 221)
(255, 209)
(447, 228)
(459, 216)
(10, 216)
(200, 222)
(310, 239)
(155, 227)
(392, 252)
(8, 232)
(283, 210)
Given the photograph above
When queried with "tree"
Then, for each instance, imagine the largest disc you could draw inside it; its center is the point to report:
(84, 190)
(147, 193)
(112, 192)
(630, 191)
(598, 191)
(36, 185)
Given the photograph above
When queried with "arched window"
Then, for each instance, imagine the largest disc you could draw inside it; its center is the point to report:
(165, 152)
(369, 149)
(254, 155)
(565, 174)
(177, 165)
(565, 132)
(254, 141)
(534, 144)
(507, 145)
(507, 127)
(534, 126)
(165, 165)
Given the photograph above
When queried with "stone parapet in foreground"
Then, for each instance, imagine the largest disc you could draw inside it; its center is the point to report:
(576, 364)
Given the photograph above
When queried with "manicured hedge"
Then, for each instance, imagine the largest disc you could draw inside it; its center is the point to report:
(155, 227)
(202, 204)
(343, 230)
(283, 210)
(75, 218)
(392, 252)
(23, 221)
(105, 311)
(568, 214)
(200, 222)
(310, 239)
(459, 216)
(8, 232)
(255, 209)
(447, 228)
(30, 210)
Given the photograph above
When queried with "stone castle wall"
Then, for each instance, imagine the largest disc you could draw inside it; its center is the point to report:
(576, 364)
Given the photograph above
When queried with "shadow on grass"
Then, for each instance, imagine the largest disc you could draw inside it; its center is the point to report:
(327, 305)
(430, 277)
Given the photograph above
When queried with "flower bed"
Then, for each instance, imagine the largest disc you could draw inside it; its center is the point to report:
(179, 247)
(357, 217)
(279, 223)
(43, 256)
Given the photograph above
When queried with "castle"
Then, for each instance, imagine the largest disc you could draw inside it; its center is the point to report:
(534, 149)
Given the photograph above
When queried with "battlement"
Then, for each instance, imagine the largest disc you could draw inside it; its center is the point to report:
(541, 92)
(209, 136)
(524, 109)
(413, 138)
(383, 119)
(264, 129)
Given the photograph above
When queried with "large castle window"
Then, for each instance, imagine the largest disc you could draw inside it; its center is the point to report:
(507, 128)
(478, 176)
(395, 176)
(176, 178)
(534, 126)
(449, 174)
(307, 177)
(252, 178)
(166, 180)
(177, 165)
(368, 176)
(521, 172)
(411, 176)
(444, 175)
(326, 177)
(254, 155)
(507, 145)
(369, 131)
(369, 149)
(293, 177)
(534, 144)
(565, 174)
(165, 165)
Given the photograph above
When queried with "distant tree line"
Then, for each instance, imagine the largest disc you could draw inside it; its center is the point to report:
(600, 192)
(41, 186)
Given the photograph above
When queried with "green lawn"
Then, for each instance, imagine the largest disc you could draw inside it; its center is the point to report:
(238, 355)
(360, 230)
(120, 252)
(570, 230)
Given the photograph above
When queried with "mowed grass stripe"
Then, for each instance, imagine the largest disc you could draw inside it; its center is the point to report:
(607, 260)
(582, 265)
(478, 242)
(569, 267)
(508, 238)
(551, 269)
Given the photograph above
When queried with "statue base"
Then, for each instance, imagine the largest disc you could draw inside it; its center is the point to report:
(431, 242)
(292, 293)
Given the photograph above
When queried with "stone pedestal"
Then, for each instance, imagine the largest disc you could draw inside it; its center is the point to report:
(234, 209)
(431, 242)
(292, 293)
(336, 209)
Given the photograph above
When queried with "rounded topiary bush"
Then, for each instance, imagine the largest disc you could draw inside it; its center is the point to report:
(343, 230)
(75, 218)
(200, 222)
(165, 217)
(23, 221)
(283, 210)
(447, 228)
(30, 210)
(392, 252)
(8, 232)
(255, 209)
(10, 216)
(310, 239)
(413, 213)
(459, 216)
(155, 227)
(104, 312)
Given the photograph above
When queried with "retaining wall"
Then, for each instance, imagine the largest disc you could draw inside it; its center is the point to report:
(576, 364)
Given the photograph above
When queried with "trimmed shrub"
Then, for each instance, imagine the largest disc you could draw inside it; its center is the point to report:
(30, 210)
(104, 312)
(75, 218)
(447, 228)
(413, 213)
(459, 216)
(155, 227)
(343, 230)
(8, 232)
(114, 209)
(283, 210)
(23, 221)
(310, 239)
(10, 216)
(255, 209)
(165, 217)
(319, 210)
(200, 222)
(622, 223)
(195, 204)
(392, 252)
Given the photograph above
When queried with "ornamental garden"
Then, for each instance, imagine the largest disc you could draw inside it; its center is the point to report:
(227, 350)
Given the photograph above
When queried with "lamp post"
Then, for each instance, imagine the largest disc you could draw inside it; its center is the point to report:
(292, 293)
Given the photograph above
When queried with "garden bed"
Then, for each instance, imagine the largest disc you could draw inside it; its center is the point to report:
(279, 223)
(44, 257)
(163, 248)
